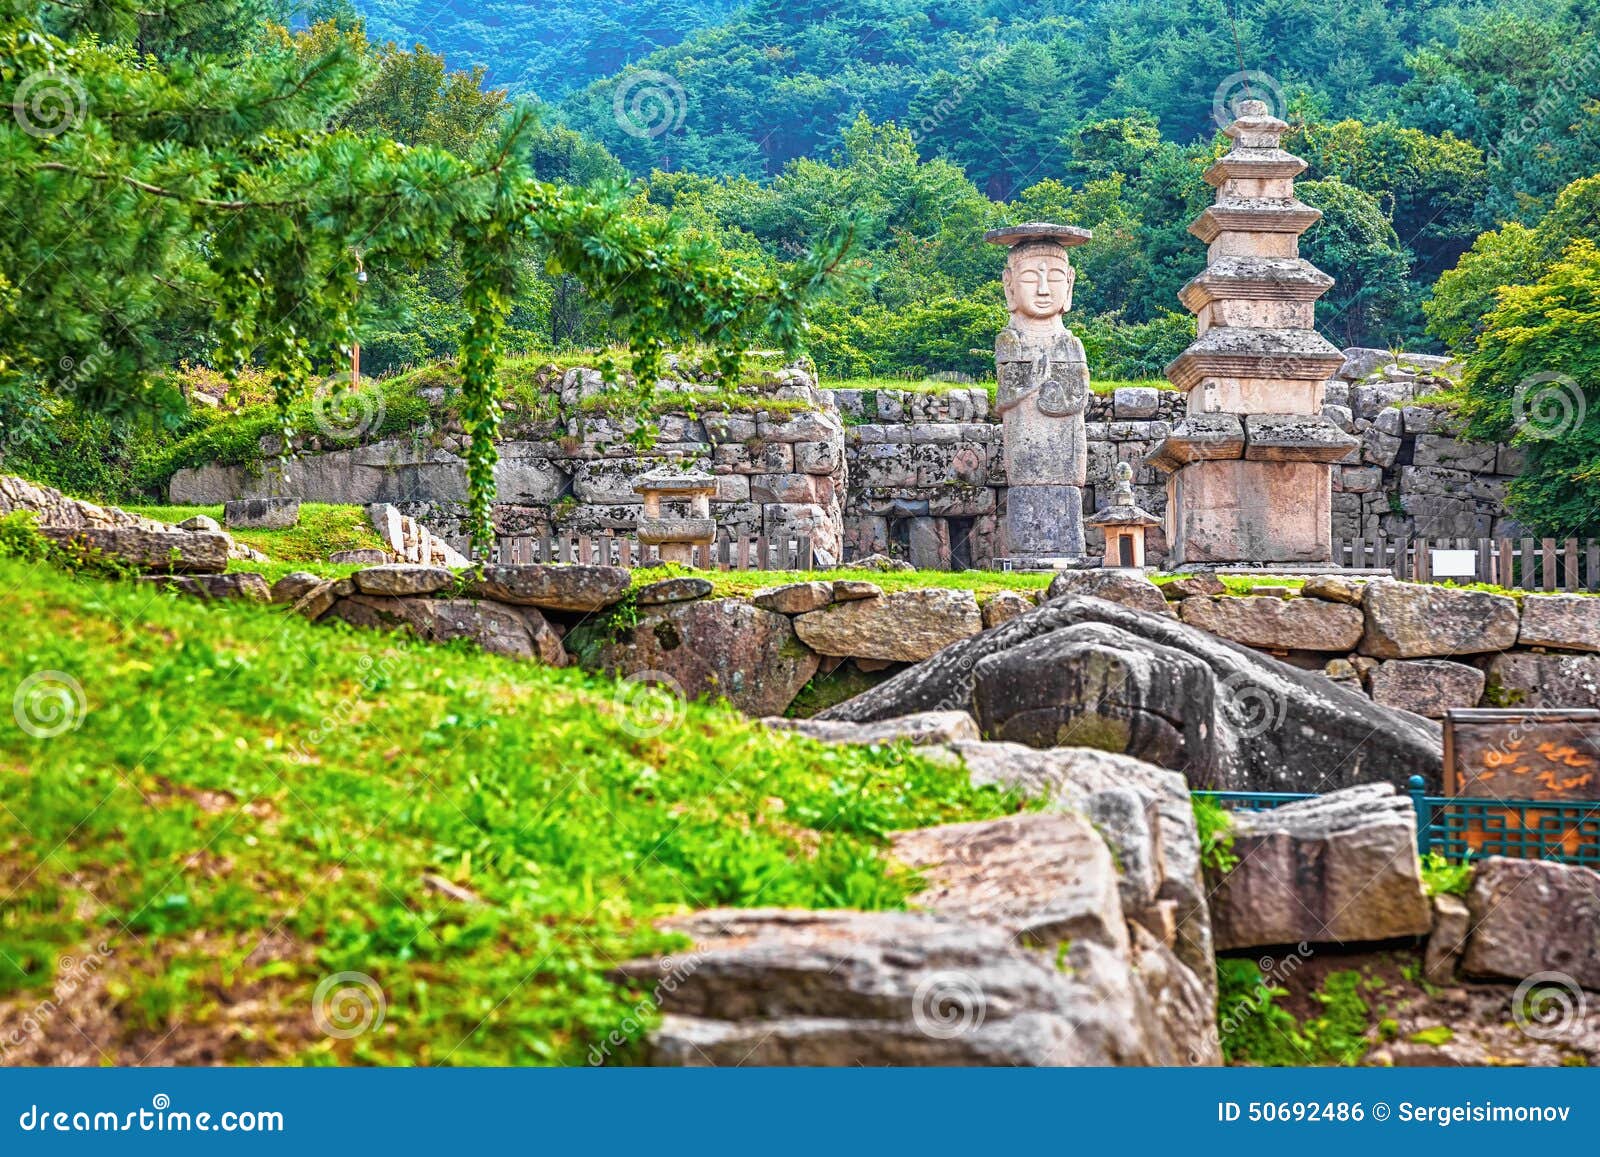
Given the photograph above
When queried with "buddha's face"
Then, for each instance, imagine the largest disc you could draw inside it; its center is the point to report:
(1038, 283)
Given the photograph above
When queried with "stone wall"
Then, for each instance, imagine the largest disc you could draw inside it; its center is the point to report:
(912, 474)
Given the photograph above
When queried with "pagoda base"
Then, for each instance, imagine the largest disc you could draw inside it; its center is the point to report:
(1223, 512)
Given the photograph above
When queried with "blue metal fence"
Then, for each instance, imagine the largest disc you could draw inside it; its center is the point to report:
(1464, 828)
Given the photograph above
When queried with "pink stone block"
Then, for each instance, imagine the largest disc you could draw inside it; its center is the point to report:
(1243, 511)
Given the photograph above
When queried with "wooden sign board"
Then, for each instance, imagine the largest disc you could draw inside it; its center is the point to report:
(1523, 754)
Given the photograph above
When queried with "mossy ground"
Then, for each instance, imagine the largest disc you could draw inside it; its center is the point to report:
(238, 804)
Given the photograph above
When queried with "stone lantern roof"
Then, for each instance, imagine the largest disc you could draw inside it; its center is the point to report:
(669, 481)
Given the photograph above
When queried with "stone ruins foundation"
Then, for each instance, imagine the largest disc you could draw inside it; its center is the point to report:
(1250, 464)
(1043, 390)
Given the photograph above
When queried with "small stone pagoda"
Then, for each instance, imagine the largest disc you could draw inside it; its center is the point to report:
(1250, 465)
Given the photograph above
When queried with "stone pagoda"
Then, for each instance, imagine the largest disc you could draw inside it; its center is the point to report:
(1250, 464)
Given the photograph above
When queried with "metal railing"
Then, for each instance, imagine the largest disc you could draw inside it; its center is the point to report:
(1463, 828)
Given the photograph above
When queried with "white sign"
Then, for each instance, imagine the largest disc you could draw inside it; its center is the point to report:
(1455, 563)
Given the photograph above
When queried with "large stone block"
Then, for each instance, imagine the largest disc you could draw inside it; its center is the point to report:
(1527, 679)
(1276, 624)
(1418, 620)
(1337, 868)
(1115, 586)
(1238, 511)
(1044, 522)
(1533, 916)
(175, 551)
(903, 626)
(1427, 687)
(1566, 622)
(261, 513)
(500, 630)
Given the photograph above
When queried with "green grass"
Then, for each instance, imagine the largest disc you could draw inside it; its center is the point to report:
(727, 584)
(323, 528)
(249, 803)
(1258, 1030)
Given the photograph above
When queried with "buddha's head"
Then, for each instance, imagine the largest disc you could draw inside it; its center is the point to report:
(1038, 281)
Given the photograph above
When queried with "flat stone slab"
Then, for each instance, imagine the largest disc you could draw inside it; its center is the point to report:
(922, 728)
(401, 579)
(553, 587)
(1115, 586)
(1529, 679)
(497, 629)
(1295, 438)
(1426, 687)
(1419, 620)
(166, 551)
(794, 598)
(903, 626)
(242, 585)
(1276, 624)
(261, 513)
(681, 589)
(1533, 916)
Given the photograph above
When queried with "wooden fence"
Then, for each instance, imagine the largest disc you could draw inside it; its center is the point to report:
(729, 552)
(1535, 564)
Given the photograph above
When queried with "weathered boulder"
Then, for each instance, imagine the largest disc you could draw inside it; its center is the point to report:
(1418, 620)
(500, 630)
(243, 585)
(718, 647)
(1428, 687)
(1565, 622)
(1532, 916)
(261, 513)
(681, 589)
(164, 551)
(319, 600)
(927, 727)
(902, 626)
(1528, 679)
(1092, 685)
(1003, 606)
(794, 598)
(361, 556)
(1333, 588)
(293, 585)
(1336, 868)
(1277, 624)
(201, 522)
(1045, 877)
(1451, 923)
(552, 587)
(400, 579)
(52, 508)
(1115, 586)
(1195, 585)
(1268, 726)
(849, 590)
(787, 987)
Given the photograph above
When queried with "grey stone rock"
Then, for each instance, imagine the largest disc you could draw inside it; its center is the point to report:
(1277, 624)
(1451, 923)
(680, 589)
(1528, 679)
(1565, 622)
(363, 556)
(794, 598)
(1003, 606)
(243, 585)
(261, 513)
(1427, 687)
(293, 586)
(1195, 585)
(1115, 586)
(1333, 588)
(903, 626)
(1417, 620)
(1337, 868)
(1269, 726)
(167, 551)
(851, 590)
(553, 587)
(1532, 916)
(401, 579)
(918, 730)
(1135, 402)
(201, 522)
(500, 630)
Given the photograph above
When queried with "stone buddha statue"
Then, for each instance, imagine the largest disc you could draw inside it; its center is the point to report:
(1043, 390)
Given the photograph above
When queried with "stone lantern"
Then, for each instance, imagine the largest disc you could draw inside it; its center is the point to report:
(1124, 523)
(676, 537)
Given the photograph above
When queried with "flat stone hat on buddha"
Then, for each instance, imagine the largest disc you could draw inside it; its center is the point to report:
(1038, 232)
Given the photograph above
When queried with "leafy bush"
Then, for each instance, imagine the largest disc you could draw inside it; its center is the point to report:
(1442, 878)
(1215, 827)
